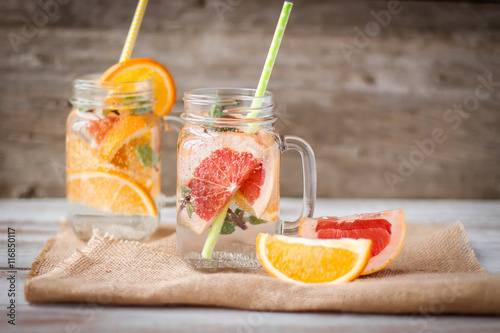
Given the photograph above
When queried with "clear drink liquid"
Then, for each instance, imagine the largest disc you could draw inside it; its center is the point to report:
(234, 251)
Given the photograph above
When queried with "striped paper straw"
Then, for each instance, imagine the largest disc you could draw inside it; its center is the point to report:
(134, 30)
(271, 57)
(261, 89)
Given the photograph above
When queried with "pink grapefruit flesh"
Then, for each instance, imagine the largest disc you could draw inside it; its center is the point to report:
(259, 193)
(378, 230)
(250, 188)
(217, 178)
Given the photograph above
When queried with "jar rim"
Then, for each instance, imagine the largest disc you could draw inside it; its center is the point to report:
(228, 106)
(213, 94)
(94, 79)
(90, 92)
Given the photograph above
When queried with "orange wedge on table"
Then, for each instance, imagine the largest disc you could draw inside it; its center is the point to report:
(109, 191)
(142, 69)
(302, 260)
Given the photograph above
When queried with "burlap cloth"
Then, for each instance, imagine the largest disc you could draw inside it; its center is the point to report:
(435, 273)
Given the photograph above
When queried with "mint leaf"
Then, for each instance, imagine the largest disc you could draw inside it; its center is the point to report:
(239, 212)
(147, 156)
(227, 228)
(216, 111)
(254, 221)
(140, 111)
(185, 191)
(190, 208)
(226, 129)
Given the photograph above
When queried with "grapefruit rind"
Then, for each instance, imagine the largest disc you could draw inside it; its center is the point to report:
(360, 248)
(391, 251)
(264, 206)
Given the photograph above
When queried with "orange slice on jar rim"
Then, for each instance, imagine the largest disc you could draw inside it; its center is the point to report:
(143, 69)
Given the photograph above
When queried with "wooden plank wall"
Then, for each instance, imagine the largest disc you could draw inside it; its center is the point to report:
(397, 99)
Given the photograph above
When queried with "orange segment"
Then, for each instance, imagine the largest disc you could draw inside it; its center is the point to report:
(143, 69)
(312, 260)
(127, 129)
(81, 156)
(109, 191)
(119, 147)
(126, 159)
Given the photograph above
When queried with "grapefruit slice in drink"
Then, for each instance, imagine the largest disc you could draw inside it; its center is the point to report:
(257, 191)
(386, 230)
(213, 167)
(260, 192)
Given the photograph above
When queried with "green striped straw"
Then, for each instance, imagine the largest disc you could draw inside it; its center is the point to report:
(271, 57)
(214, 232)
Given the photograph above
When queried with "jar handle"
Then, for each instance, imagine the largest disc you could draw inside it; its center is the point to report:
(170, 200)
(290, 142)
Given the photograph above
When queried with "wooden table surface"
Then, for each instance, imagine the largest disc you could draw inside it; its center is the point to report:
(37, 220)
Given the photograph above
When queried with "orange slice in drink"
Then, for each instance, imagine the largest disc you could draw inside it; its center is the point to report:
(125, 130)
(260, 192)
(142, 69)
(120, 148)
(302, 260)
(81, 156)
(109, 191)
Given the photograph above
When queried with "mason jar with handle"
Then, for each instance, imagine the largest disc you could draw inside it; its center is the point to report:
(228, 178)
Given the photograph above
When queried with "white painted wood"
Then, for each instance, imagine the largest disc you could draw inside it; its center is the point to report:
(36, 220)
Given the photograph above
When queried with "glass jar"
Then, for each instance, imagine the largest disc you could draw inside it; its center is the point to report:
(113, 142)
(228, 178)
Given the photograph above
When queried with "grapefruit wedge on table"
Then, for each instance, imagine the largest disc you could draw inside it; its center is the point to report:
(214, 166)
(386, 230)
(303, 260)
